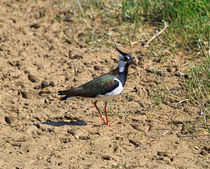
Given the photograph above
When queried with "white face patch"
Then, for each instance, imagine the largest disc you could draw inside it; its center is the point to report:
(121, 64)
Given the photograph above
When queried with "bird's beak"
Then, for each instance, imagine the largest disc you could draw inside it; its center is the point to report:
(133, 62)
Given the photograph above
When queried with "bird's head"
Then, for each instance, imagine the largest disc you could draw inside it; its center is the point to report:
(125, 59)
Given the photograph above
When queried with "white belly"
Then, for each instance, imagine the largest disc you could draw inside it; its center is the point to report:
(114, 92)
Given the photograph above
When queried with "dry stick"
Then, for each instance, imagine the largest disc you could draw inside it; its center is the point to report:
(182, 101)
(157, 34)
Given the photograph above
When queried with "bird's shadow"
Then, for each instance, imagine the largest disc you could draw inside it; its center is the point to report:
(65, 123)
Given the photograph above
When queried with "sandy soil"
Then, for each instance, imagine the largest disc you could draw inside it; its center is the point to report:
(37, 130)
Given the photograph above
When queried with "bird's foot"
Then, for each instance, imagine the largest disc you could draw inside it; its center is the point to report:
(107, 123)
(103, 119)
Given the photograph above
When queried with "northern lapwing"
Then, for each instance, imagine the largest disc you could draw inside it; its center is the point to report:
(105, 86)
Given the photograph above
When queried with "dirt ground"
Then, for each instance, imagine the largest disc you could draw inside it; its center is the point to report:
(37, 130)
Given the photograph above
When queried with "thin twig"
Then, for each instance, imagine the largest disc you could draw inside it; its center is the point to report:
(182, 101)
(157, 34)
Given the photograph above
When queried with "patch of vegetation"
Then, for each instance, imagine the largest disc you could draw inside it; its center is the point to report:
(197, 84)
(188, 19)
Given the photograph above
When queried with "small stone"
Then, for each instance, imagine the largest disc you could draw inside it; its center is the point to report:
(52, 84)
(157, 60)
(164, 154)
(44, 84)
(45, 101)
(76, 56)
(37, 87)
(168, 69)
(67, 19)
(142, 104)
(76, 137)
(32, 78)
(68, 41)
(114, 165)
(50, 130)
(35, 26)
(8, 120)
(72, 132)
(180, 74)
(65, 140)
(39, 157)
(203, 153)
(196, 147)
(60, 163)
(106, 157)
(160, 73)
(84, 137)
(96, 67)
(115, 148)
(23, 94)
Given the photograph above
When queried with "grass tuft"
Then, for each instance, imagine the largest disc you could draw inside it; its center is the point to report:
(197, 85)
(188, 19)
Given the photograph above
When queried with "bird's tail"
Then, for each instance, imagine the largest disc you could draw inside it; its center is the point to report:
(63, 92)
(68, 94)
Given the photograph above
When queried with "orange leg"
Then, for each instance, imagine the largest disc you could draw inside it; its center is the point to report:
(102, 117)
(107, 121)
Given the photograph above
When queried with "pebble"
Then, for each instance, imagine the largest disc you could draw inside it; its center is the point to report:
(35, 26)
(24, 94)
(32, 78)
(106, 157)
(196, 147)
(37, 87)
(114, 165)
(96, 67)
(168, 69)
(180, 74)
(84, 137)
(52, 84)
(76, 137)
(8, 120)
(203, 153)
(44, 84)
(76, 56)
(157, 60)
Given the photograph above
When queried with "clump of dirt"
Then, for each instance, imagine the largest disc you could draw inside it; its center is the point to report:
(41, 53)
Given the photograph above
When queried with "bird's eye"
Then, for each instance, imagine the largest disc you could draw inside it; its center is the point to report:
(125, 58)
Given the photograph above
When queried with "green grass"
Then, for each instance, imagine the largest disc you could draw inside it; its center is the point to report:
(198, 85)
(188, 19)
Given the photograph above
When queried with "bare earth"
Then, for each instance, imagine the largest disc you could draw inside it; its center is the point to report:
(38, 131)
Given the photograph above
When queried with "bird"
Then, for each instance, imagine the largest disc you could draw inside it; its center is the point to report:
(103, 87)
